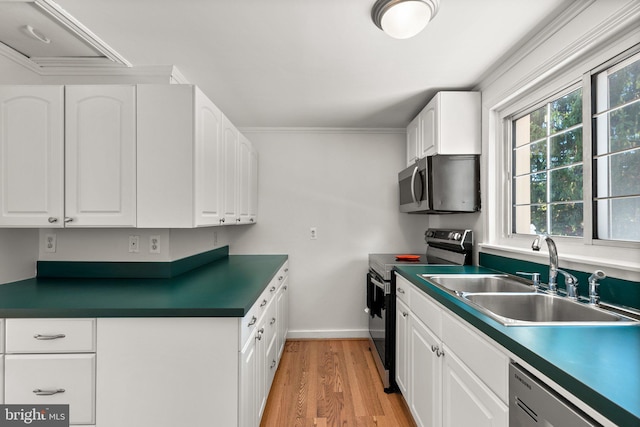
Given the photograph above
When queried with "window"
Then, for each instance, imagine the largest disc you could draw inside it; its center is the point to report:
(548, 171)
(616, 127)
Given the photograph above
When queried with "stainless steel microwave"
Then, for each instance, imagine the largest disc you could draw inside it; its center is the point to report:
(441, 184)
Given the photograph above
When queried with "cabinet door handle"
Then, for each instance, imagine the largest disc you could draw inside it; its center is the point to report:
(285, 287)
(49, 337)
(68, 219)
(264, 302)
(273, 364)
(41, 392)
(405, 314)
(439, 352)
(252, 321)
(400, 291)
(259, 334)
(434, 348)
(221, 220)
(273, 320)
(52, 220)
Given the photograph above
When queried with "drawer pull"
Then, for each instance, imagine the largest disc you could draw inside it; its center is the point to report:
(49, 337)
(40, 392)
(264, 302)
(253, 321)
(400, 291)
(273, 364)
(273, 288)
(273, 320)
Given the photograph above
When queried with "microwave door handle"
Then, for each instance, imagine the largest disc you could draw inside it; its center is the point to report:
(413, 185)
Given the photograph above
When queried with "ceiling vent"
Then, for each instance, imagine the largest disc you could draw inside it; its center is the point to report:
(40, 34)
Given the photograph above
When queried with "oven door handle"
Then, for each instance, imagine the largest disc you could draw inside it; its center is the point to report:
(386, 287)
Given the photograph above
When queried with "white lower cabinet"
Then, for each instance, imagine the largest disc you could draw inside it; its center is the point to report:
(49, 379)
(438, 384)
(467, 401)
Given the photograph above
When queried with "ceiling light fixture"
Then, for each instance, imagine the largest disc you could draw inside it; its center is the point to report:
(402, 19)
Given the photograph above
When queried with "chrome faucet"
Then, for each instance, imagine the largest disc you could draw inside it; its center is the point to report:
(594, 299)
(553, 260)
(570, 280)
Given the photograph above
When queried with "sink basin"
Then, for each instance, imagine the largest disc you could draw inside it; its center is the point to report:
(459, 283)
(512, 309)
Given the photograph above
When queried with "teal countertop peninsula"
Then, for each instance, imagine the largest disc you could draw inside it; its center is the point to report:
(224, 287)
(600, 365)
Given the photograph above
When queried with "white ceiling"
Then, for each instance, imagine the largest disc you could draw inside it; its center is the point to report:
(314, 63)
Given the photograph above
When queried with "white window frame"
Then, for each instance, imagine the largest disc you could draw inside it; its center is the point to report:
(619, 259)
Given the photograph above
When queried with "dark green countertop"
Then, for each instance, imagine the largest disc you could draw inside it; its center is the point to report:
(600, 365)
(227, 287)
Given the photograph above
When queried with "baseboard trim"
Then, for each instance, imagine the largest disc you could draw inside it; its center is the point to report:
(324, 334)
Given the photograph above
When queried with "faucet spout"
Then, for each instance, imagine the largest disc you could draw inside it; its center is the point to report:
(553, 260)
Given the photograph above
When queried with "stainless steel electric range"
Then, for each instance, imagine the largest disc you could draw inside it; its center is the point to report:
(444, 247)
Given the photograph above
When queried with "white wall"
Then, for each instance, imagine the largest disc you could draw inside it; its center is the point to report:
(18, 247)
(345, 184)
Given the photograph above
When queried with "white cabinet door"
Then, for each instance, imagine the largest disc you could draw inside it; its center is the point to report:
(467, 400)
(261, 366)
(248, 398)
(245, 148)
(100, 156)
(208, 162)
(282, 310)
(425, 375)
(53, 379)
(414, 139)
(430, 130)
(253, 186)
(32, 156)
(402, 348)
(230, 156)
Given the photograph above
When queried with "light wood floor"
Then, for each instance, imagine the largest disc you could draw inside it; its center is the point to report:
(331, 383)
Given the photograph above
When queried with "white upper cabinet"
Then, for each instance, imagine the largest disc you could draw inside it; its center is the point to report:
(179, 158)
(100, 156)
(230, 139)
(31, 156)
(247, 176)
(68, 156)
(449, 124)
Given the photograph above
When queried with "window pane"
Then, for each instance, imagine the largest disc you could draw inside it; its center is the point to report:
(531, 158)
(619, 219)
(531, 189)
(531, 219)
(620, 174)
(566, 149)
(624, 131)
(566, 111)
(566, 184)
(538, 124)
(567, 219)
(624, 85)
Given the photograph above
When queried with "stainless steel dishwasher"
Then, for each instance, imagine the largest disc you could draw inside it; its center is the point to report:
(533, 403)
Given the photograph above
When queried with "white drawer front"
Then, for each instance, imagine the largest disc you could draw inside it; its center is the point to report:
(403, 290)
(73, 373)
(427, 311)
(50, 335)
(483, 358)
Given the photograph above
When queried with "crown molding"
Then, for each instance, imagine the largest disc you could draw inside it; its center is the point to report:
(323, 130)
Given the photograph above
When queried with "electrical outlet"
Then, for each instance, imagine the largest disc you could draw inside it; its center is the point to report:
(154, 244)
(314, 233)
(134, 244)
(49, 242)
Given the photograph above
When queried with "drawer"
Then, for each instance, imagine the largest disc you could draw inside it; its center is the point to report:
(403, 289)
(60, 378)
(282, 274)
(50, 335)
(426, 310)
(482, 357)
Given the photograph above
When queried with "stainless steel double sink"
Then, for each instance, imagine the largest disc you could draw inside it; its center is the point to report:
(515, 303)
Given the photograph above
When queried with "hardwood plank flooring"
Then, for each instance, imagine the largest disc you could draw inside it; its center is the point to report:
(331, 383)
